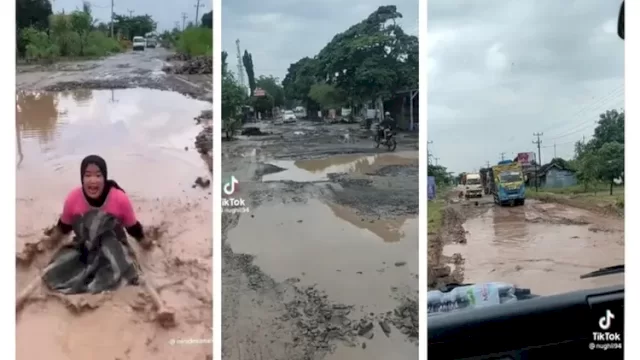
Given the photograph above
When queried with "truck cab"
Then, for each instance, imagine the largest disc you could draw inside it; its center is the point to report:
(472, 186)
(508, 179)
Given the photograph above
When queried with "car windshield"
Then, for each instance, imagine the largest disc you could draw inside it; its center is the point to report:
(288, 112)
(510, 176)
(502, 95)
(138, 39)
(473, 181)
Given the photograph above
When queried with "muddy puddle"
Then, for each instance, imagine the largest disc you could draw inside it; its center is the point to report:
(368, 264)
(327, 246)
(310, 170)
(142, 134)
(544, 247)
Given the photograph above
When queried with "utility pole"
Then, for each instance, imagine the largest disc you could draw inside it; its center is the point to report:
(429, 155)
(538, 142)
(554, 150)
(130, 12)
(488, 164)
(198, 6)
(112, 18)
(502, 156)
(436, 159)
(184, 17)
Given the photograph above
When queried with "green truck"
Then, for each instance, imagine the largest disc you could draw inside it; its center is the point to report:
(507, 183)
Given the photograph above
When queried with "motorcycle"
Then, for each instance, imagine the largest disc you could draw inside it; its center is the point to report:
(389, 141)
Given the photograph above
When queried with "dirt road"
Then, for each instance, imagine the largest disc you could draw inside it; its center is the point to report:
(147, 137)
(122, 71)
(541, 246)
(324, 264)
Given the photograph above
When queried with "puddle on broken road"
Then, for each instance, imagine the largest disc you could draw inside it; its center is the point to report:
(355, 261)
(544, 247)
(142, 134)
(310, 170)
(344, 254)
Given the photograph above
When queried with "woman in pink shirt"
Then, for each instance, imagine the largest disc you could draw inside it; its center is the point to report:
(98, 192)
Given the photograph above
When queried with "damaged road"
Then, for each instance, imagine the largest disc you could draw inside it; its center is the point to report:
(541, 246)
(141, 132)
(322, 263)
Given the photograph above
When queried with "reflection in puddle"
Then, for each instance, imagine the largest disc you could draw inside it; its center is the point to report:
(547, 257)
(317, 169)
(342, 258)
(140, 132)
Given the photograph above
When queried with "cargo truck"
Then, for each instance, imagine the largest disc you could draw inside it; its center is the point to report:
(508, 183)
(473, 185)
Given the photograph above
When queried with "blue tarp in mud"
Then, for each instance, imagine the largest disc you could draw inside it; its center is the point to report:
(431, 187)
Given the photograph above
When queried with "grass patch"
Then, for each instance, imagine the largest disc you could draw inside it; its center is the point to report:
(196, 42)
(434, 215)
(596, 198)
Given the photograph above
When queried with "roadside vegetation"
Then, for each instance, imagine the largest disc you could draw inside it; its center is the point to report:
(43, 36)
(192, 40)
(375, 58)
(599, 167)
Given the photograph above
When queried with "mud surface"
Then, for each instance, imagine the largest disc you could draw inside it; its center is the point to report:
(541, 246)
(141, 133)
(323, 265)
(127, 70)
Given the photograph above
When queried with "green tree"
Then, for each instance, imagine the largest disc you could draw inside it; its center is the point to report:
(271, 85)
(611, 167)
(247, 61)
(588, 169)
(207, 20)
(31, 14)
(233, 97)
(327, 96)
(130, 26)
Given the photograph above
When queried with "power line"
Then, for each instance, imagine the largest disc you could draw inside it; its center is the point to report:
(198, 6)
(539, 162)
(184, 18)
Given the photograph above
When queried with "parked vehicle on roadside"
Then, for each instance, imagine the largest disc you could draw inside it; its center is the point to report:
(152, 42)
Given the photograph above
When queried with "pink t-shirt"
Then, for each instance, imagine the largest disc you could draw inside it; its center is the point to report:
(116, 204)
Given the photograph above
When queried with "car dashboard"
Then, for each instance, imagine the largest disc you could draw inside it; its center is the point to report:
(562, 326)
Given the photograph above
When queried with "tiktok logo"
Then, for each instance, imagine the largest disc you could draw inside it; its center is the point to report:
(230, 187)
(605, 321)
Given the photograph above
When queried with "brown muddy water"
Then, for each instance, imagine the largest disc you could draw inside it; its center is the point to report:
(541, 246)
(146, 137)
(317, 169)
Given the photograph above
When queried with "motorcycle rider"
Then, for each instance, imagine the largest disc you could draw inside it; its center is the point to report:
(387, 125)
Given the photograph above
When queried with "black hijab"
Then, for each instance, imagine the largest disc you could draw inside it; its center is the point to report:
(108, 184)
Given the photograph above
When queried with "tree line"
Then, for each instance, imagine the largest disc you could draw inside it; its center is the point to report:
(193, 40)
(597, 161)
(371, 60)
(43, 35)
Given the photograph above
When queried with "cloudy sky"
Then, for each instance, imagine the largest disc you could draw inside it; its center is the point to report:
(501, 70)
(280, 32)
(165, 13)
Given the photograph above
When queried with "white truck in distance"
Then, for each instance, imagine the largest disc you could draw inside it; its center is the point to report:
(473, 186)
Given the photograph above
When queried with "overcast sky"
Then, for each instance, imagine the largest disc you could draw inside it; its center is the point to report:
(500, 70)
(165, 13)
(280, 32)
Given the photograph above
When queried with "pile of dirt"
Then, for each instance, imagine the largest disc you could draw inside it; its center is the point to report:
(323, 324)
(178, 57)
(195, 65)
(443, 270)
(406, 318)
(253, 131)
(204, 140)
(205, 117)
